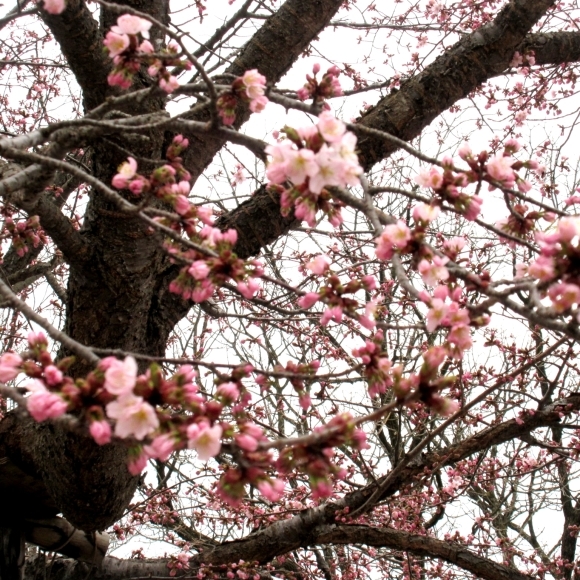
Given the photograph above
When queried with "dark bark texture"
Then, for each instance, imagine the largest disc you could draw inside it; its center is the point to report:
(118, 297)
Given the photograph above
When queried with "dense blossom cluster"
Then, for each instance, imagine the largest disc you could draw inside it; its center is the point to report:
(557, 266)
(214, 263)
(311, 160)
(25, 234)
(248, 88)
(333, 294)
(326, 88)
(162, 415)
(129, 53)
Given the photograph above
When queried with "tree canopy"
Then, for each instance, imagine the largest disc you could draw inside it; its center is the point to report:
(290, 289)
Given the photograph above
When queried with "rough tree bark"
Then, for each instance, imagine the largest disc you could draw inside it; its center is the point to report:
(118, 295)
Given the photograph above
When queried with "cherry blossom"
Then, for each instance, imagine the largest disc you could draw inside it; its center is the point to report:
(100, 431)
(127, 171)
(205, 440)
(130, 24)
(120, 376)
(54, 6)
(134, 417)
(9, 366)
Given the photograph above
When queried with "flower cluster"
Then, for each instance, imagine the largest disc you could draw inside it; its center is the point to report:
(521, 223)
(312, 159)
(557, 266)
(250, 88)
(327, 87)
(129, 52)
(199, 280)
(215, 263)
(377, 366)
(447, 183)
(25, 234)
(160, 415)
(453, 316)
(316, 460)
(424, 386)
(333, 294)
(498, 170)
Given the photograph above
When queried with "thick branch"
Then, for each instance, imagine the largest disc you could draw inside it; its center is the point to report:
(272, 50)
(81, 42)
(286, 535)
(472, 61)
(52, 220)
(420, 546)
(58, 535)
(552, 47)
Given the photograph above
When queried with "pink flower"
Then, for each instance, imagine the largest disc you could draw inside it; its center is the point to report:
(330, 127)
(246, 442)
(135, 417)
(161, 447)
(473, 207)
(181, 205)
(445, 407)
(168, 84)
(569, 228)
(305, 211)
(300, 165)
(54, 6)
(329, 314)
(272, 490)
(499, 168)
(116, 43)
(43, 404)
(202, 292)
(258, 104)
(464, 151)
(205, 440)
(126, 171)
(460, 336)
(280, 153)
(308, 300)
(434, 356)
(430, 177)
(319, 265)
(331, 169)
(52, 375)
(394, 236)
(147, 48)
(454, 245)
(564, 296)
(120, 376)
(136, 186)
(425, 213)
(129, 24)
(254, 84)
(435, 271)
(37, 339)
(137, 464)
(199, 270)
(304, 400)
(120, 80)
(436, 314)
(228, 391)
(248, 289)
(543, 269)
(9, 366)
(100, 431)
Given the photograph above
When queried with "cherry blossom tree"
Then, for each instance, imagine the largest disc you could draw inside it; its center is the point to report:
(293, 295)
